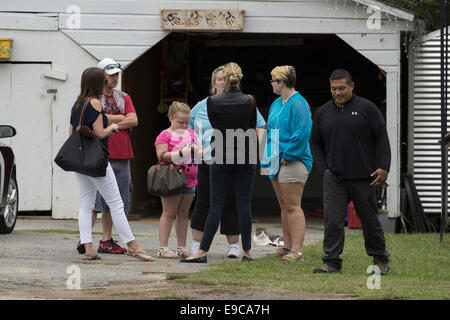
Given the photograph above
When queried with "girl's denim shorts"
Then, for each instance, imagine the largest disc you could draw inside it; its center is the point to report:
(190, 190)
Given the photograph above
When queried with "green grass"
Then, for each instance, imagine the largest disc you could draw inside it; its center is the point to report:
(95, 291)
(420, 267)
(63, 231)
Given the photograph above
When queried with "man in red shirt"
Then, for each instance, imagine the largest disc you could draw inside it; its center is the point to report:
(119, 109)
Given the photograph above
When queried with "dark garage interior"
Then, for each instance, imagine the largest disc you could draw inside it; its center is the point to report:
(179, 68)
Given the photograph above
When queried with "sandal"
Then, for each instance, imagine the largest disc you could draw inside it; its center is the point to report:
(182, 253)
(91, 257)
(139, 254)
(165, 252)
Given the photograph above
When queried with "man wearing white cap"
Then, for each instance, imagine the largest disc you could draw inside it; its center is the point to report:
(119, 109)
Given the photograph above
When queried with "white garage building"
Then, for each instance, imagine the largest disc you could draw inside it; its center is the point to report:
(54, 41)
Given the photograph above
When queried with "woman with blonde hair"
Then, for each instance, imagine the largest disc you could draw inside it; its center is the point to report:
(230, 110)
(288, 157)
(229, 224)
(177, 144)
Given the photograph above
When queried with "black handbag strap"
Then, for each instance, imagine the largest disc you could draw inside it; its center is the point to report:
(252, 102)
(82, 114)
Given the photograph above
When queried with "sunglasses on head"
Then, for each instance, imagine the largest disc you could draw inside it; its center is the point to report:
(112, 66)
(275, 80)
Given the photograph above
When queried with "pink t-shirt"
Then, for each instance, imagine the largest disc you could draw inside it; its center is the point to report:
(176, 143)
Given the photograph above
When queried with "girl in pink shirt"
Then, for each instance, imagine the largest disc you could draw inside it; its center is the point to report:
(179, 145)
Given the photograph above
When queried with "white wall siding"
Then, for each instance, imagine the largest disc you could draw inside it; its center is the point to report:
(20, 21)
(113, 37)
(65, 55)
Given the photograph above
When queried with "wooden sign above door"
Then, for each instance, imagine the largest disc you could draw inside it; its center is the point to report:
(203, 20)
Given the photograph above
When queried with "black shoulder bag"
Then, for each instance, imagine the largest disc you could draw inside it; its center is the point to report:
(83, 152)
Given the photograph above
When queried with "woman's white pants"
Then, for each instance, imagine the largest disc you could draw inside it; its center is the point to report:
(107, 186)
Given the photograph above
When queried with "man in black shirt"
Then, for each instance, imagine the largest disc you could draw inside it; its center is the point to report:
(351, 148)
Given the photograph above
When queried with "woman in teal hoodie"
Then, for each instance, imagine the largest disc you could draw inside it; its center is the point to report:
(287, 157)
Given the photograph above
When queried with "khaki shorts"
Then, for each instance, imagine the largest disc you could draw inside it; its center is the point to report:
(292, 172)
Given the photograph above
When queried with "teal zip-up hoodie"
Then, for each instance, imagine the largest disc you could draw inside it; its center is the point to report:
(288, 133)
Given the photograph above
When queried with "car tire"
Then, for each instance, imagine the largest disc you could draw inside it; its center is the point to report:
(8, 215)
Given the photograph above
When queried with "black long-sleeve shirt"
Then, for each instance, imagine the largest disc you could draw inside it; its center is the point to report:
(233, 110)
(351, 141)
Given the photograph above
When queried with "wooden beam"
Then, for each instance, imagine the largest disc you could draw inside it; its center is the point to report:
(393, 126)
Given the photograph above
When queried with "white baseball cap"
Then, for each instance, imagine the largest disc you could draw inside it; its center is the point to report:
(109, 66)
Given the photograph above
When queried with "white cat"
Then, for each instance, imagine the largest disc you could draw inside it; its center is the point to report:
(263, 238)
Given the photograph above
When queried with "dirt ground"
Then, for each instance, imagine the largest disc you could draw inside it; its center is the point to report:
(165, 290)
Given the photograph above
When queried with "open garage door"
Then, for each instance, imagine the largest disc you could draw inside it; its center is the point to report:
(194, 56)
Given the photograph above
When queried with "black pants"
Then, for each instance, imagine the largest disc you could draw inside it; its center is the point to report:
(337, 193)
(222, 177)
(229, 224)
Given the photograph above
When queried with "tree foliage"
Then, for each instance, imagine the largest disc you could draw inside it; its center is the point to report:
(429, 10)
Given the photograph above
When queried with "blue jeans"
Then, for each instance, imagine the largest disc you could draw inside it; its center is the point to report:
(221, 177)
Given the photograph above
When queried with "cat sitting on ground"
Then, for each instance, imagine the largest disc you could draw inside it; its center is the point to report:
(264, 238)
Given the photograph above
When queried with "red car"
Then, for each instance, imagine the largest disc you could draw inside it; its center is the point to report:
(9, 200)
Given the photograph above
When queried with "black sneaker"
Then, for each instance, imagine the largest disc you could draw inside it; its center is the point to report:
(80, 248)
(382, 264)
(325, 268)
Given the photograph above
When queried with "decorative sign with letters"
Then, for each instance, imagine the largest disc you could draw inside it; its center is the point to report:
(203, 20)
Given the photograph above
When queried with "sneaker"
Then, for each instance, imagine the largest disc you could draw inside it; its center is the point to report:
(80, 248)
(325, 268)
(383, 265)
(279, 253)
(195, 246)
(110, 246)
(293, 256)
(233, 252)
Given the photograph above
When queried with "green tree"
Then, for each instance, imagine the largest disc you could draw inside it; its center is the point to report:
(428, 10)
